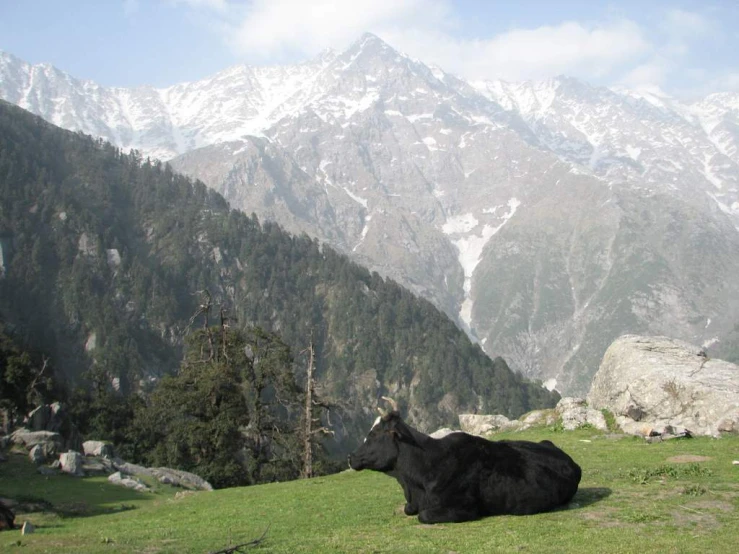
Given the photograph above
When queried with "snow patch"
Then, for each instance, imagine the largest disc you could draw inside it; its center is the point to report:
(710, 342)
(459, 224)
(470, 249)
(357, 199)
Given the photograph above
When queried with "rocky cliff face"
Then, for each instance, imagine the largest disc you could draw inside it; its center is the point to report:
(546, 218)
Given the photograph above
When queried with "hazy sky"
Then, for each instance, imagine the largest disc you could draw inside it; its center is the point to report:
(684, 47)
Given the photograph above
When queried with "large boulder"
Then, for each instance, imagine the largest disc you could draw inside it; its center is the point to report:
(165, 475)
(50, 442)
(656, 382)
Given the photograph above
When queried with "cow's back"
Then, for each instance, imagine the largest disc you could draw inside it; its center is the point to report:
(506, 477)
(546, 477)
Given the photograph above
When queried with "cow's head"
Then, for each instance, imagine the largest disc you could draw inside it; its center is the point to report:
(382, 445)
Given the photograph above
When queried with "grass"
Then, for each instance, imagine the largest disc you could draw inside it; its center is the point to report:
(632, 498)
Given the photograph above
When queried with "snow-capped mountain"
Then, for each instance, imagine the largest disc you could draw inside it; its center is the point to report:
(546, 218)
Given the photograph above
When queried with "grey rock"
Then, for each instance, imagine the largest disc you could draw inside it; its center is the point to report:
(538, 418)
(165, 475)
(179, 478)
(668, 382)
(575, 413)
(94, 464)
(49, 440)
(54, 418)
(71, 462)
(44, 470)
(37, 454)
(441, 433)
(27, 528)
(482, 425)
(127, 481)
(98, 448)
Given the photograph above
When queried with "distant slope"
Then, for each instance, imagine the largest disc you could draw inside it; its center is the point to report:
(545, 218)
(102, 254)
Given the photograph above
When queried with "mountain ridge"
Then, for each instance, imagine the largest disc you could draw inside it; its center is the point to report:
(427, 179)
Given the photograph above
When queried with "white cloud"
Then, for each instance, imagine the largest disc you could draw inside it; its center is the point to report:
(282, 28)
(276, 30)
(651, 73)
(571, 48)
(651, 52)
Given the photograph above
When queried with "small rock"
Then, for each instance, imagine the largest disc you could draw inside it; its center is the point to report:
(37, 455)
(118, 478)
(27, 528)
(44, 470)
(72, 463)
(98, 448)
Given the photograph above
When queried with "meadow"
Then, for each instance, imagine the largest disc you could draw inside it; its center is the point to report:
(676, 496)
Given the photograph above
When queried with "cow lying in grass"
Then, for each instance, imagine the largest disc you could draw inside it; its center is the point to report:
(462, 477)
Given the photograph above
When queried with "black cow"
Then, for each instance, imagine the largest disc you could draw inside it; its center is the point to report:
(462, 477)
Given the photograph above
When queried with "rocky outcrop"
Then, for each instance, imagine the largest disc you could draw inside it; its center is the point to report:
(572, 412)
(123, 480)
(481, 425)
(651, 383)
(575, 413)
(49, 442)
(54, 418)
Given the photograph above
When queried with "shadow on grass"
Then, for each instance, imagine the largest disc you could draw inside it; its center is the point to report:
(64, 495)
(587, 496)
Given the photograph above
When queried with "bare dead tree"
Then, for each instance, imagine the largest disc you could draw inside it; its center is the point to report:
(311, 401)
(206, 304)
(33, 393)
(225, 324)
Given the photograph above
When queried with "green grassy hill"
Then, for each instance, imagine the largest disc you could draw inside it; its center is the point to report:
(634, 497)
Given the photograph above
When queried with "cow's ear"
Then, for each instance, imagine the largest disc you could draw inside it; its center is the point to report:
(403, 434)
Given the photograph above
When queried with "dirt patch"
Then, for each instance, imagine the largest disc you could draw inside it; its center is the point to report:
(711, 505)
(698, 519)
(604, 518)
(688, 459)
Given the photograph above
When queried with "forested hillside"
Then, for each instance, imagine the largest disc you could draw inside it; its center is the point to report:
(103, 256)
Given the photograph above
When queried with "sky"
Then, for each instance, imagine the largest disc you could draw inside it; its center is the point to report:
(684, 48)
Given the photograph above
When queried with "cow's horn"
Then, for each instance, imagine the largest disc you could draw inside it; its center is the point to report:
(393, 403)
